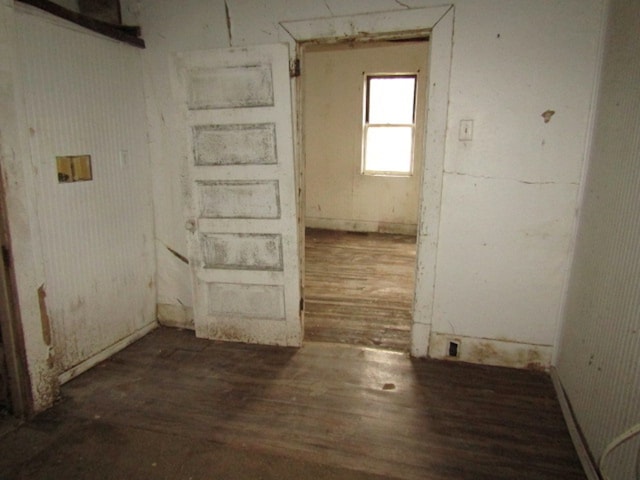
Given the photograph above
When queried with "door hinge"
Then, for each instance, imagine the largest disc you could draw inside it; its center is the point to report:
(294, 68)
(302, 304)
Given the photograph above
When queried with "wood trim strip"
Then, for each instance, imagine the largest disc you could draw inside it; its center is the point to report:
(122, 33)
(586, 459)
(11, 323)
(91, 362)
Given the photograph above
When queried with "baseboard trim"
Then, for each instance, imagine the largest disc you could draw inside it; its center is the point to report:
(361, 226)
(579, 444)
(489, 351)
(106, 353)
(175, 316)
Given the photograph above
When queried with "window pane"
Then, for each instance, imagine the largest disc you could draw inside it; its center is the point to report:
(391, 100)
(388, 149)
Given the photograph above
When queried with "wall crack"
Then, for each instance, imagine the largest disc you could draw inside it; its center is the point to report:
(178, 255)
(175, 253)
(228, 17)
(525, 182)
(328, 8)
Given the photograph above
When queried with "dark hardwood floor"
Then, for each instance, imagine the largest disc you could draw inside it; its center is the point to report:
(172, 406)
(359, 288)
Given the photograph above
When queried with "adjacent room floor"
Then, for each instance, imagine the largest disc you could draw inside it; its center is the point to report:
(359, 288)
(172, 406)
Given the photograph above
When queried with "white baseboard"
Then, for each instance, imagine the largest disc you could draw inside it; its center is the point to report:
(361, 226)
(176, 316)
(486, 351)
(582, 450)
(420, 333)
(106, 353)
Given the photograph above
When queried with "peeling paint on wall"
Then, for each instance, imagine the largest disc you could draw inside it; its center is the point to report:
(44, 315)
(547, 115)
(499, 352)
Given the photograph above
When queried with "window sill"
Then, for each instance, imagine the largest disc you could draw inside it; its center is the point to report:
(387, 174)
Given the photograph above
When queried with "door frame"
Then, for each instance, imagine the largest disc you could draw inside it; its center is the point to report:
(10, 321)
(437, 22)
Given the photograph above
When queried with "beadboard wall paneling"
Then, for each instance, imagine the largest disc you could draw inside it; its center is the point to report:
(599, 357)
(83, 94)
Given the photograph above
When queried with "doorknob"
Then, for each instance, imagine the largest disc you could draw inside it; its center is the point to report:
(190, 225)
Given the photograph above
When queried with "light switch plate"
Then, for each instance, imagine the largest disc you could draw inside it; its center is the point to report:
(466, 130)
(124, 157)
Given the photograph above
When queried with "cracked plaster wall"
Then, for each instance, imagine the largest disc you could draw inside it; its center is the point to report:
(509, 196)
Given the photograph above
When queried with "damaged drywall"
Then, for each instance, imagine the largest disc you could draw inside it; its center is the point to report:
(44, 316)
(547, 114)
(497, 352)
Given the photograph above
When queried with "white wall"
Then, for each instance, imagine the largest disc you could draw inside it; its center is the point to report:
(599, 358)
(337, 195)
(509, 196)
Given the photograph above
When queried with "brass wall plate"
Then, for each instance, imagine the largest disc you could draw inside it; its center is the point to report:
(74, 168)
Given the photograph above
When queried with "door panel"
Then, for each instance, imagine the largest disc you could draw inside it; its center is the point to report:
(241, 208)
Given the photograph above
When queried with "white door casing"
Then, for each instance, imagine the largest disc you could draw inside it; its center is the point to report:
(439, 21)
(241, 206)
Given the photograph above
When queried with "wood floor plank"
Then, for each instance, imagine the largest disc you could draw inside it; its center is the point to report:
(353, 409)
(359, 288)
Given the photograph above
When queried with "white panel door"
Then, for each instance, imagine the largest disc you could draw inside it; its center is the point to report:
(241, 212)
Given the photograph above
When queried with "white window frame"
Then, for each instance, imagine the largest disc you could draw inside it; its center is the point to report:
(366, 125)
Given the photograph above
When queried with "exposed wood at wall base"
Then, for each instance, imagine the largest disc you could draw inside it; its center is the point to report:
(586, 459)
(123, 33)
(179, 316)
(485, 351)
(106, 353)
(359, 288)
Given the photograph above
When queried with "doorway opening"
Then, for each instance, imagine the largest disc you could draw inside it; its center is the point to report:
(363, 114)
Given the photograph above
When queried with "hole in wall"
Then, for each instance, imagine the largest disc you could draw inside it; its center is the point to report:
(74, 168)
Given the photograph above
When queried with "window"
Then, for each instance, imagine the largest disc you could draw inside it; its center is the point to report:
(389, 124)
